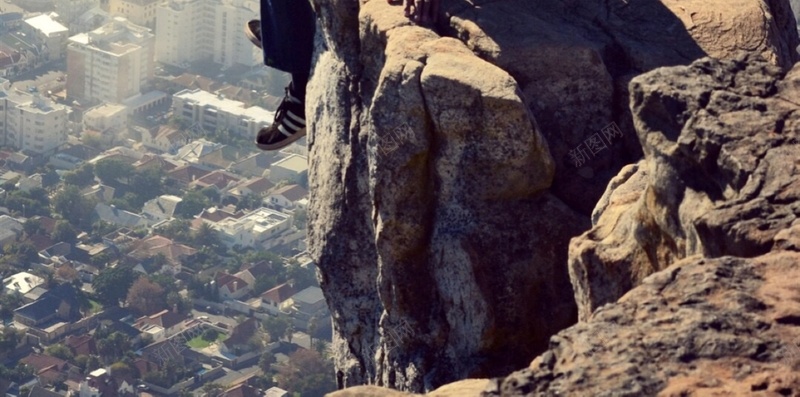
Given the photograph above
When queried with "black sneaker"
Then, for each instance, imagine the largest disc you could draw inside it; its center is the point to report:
(252, 29)
(289, 124)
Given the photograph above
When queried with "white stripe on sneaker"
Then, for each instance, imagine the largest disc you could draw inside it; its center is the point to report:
(291, 125)
(297, 118)
(283, 131)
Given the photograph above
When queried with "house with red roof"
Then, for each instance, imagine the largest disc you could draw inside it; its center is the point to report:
(165, 139)
(182, 176)
(272, 300)
(81, 345)
(230, 286)
(48, 369)
(238, 347)
(147, 250)
(258, 186)
(287, 196)
(162, 324)
(220, 180)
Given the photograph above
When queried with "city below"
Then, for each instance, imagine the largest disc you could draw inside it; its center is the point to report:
(148, 247)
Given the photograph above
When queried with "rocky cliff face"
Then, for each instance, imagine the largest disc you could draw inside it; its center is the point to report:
(717, 206)
(448, 174)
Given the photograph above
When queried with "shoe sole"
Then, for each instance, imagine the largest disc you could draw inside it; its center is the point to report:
(284, 143)
(251, 27)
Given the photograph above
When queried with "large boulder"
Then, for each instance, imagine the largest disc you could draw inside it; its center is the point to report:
(718, 178)
(444, 171)
(706, 230)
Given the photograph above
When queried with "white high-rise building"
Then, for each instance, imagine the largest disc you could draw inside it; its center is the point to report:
(111, 63)
(30, 122)
(185, 31)
(212, 112)
(192, 30)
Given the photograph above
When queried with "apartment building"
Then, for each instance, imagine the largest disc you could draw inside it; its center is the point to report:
(111, 63)
(192, 30)
(140, 12)
(53, 35)
(30, 122)
(106, 117)
(214, 112)
(262, 228)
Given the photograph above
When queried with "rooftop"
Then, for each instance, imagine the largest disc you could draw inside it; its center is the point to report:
(293, 163)
(45, 24)
(22, 282)
(310, 295)
(291, 192)
(105, 110)
(236, 108)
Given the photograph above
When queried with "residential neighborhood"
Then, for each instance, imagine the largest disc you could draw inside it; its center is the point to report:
(148, 247)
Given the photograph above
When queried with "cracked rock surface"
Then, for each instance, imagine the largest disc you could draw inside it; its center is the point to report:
(442, 190)
(711, 246)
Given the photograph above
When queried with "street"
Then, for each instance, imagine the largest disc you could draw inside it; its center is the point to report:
(215, 318)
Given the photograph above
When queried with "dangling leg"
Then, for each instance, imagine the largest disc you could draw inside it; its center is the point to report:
(290, 120)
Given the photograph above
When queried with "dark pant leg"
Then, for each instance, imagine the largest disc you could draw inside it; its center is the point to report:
(287, 29)
(303, 31)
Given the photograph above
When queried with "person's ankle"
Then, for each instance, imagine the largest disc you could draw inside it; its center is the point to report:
(300, 94)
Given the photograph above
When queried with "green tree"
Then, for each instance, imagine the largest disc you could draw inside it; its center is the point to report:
(210, 334)
(34, 202)
(112, 284)
(32, 227)
(101, 228)
(211, 193)
(60, 351)
(178, 122)
(313, 328)
(120, 370)
(50, 177)
(177, 230)
(64, 232)
(111, 170)
(146, 297)
(81, 361)
(265, 361)
(307, 373)
(321, 347)
(263, 283)
(300, 218)
(72, 206)
(248, 202)
(303, 277)
(206, 236)
(147, 184)
(277, 327)
(10, 338)
(213, 389)
(20, 374)
(83, 176)
(92, 363)
(192, 204)
(23, 253)
(101, 260)
(9, 302)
